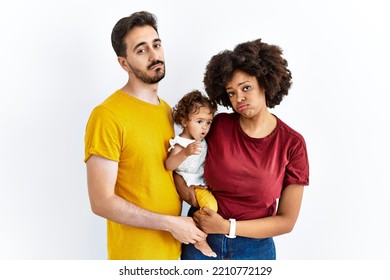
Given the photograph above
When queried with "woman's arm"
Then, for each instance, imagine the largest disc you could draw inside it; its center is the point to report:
(283, 222)
(185, 192)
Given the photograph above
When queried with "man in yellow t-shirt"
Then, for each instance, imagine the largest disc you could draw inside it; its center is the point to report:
(125, 149)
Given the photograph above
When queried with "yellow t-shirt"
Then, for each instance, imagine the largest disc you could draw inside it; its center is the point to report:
(136, 134)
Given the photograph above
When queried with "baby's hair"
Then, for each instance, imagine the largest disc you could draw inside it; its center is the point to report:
(191, 104)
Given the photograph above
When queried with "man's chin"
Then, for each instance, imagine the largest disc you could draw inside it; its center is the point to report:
(157, 78)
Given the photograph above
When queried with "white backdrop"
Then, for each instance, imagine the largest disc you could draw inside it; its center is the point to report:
(57, 63)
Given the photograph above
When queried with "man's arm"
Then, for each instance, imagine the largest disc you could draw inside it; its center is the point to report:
(102, 176)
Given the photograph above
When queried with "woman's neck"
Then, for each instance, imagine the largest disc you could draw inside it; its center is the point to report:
(260, 126)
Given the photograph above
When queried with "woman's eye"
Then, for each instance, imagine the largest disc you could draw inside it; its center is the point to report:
(231, 93)
(246, 88)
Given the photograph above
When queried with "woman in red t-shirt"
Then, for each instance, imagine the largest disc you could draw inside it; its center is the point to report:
(254, 158)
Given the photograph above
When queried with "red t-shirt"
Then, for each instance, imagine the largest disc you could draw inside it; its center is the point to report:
(247, 175)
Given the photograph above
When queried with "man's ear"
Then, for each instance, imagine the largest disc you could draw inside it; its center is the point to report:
(123, 63)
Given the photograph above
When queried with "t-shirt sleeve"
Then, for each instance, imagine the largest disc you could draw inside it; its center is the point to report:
(297, 169)
(103, 135)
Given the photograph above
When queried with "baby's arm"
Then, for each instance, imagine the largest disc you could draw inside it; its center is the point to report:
(180, 154)
(175, 158)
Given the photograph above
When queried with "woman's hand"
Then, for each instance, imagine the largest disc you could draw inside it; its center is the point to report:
(211, 222)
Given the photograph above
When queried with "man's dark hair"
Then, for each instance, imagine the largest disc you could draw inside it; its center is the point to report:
(125, 24)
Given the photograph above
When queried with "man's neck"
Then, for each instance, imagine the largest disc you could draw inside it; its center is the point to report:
(142, 91)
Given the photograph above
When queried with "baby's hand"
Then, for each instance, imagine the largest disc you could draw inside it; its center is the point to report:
(193, 149)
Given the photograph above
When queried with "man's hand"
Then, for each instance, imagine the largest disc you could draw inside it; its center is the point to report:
(185, 230)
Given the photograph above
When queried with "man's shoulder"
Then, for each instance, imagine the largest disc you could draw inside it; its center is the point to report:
(107, 107)
(113, 98)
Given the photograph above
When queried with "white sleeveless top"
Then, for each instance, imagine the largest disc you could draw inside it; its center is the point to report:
(192, 168)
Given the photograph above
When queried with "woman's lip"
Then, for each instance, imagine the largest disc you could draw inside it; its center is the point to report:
(242, 107)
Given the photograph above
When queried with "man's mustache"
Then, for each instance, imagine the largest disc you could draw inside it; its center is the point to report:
(155, 63)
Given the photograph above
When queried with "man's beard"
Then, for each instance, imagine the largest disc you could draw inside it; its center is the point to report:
(159, 73)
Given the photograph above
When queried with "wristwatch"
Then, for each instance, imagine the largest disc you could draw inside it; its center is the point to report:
(232, 231)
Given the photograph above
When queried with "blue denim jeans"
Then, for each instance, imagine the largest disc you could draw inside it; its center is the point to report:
(239, 248)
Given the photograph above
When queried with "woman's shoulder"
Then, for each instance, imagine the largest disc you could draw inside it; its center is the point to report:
(222, 123)
(288, 130)
(225, 117)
